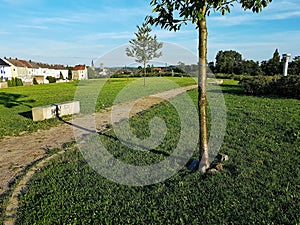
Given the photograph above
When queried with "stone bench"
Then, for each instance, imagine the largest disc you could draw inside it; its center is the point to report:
(55, 110)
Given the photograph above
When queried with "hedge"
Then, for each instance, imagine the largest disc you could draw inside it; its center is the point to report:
(288, 86)
(15, 82)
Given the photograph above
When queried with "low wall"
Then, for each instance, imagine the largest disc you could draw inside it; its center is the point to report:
(3, 85)
(55, 110)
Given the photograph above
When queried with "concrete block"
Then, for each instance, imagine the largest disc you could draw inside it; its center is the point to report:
(55, 110)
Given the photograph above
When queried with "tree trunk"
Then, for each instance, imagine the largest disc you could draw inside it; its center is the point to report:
(202, 103)
(144, 73)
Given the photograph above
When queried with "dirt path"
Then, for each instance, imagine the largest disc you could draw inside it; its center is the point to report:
(18, 152)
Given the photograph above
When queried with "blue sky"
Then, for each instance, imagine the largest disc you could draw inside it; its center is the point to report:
(79, 31)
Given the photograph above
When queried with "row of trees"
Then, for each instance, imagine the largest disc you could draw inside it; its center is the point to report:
(231, 62)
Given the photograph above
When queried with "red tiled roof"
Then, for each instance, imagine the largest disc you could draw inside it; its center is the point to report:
(79, 67)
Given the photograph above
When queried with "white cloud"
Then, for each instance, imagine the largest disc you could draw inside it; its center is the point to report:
(33, 27)
(5, 32)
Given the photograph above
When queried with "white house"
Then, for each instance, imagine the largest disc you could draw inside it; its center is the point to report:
(52, 70)
(60, 69)
(18, 69)
(28, 70)
(80, 72)
(5, 71)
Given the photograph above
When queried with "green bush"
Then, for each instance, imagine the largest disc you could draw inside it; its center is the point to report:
(15, 82)
(51, 79)
(224, 76)
(265, 85)
(288, 86)
(61, 77)
(150, 74)
(241, 77)
(34, 81)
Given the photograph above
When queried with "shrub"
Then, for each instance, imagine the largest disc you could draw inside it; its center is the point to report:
(288, 86)
(61, 77)
(34, 81)
(151, 74)
(241, 77)
(224, 76)
(15, 82)
(264, 85)
(51, 79)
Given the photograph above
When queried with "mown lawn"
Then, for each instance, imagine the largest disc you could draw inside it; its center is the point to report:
(16, 102)
(259, 184)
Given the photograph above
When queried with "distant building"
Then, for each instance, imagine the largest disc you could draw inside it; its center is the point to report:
(92, 65)
(28, 70)
(80, 72)
(101, 67)
(18, 69)
(5, 71)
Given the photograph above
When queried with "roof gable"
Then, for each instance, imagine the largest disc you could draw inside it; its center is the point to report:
(3, 63)
(79, 67)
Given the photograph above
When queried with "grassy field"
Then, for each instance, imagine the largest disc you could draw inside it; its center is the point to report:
(16, 102)
(259, 184)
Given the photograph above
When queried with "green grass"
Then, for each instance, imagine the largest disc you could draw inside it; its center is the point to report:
(16, 102)
(260, 183)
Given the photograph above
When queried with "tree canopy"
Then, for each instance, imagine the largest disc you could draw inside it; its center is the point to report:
(144, 47)
(228, 62)
(273, 66)
(171, 14)
(294, 66)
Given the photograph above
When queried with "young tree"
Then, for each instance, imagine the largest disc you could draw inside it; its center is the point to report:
(144, 47)
(171, 14)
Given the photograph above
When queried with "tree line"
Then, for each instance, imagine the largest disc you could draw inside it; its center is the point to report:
(231, 62)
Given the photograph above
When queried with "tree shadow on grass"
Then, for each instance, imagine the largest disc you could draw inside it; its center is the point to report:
(114, 138)
(10, 100)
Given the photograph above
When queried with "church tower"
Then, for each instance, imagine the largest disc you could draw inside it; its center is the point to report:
(92, 65)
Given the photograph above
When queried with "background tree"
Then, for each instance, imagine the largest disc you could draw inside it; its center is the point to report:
(171, 14)
(294, 66)
(273, 66)
(251, 67)
(144, 47)
(228, 62)
(211, 66)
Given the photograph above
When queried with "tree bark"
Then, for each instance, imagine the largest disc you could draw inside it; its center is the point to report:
(144, 73)
(202, 103)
